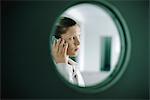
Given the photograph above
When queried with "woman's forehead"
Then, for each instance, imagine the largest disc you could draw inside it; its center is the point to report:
(72, 31)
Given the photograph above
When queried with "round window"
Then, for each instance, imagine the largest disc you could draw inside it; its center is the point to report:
(90, 45)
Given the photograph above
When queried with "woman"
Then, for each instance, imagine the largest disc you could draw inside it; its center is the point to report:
(67, 45)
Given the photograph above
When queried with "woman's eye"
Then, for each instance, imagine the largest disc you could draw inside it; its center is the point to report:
(71, 38)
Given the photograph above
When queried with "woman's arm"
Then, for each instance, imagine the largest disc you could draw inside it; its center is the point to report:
(65, 70)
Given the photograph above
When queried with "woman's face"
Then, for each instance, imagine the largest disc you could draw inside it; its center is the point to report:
(72, 37)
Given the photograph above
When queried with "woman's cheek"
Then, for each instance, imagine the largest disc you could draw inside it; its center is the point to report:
(70, 45)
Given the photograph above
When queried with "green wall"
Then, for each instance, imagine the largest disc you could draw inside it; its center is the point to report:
(27, 70)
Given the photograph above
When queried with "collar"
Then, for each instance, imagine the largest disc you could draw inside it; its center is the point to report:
(70, 61)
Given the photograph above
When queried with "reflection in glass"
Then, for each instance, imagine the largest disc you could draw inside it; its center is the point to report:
(100, 43)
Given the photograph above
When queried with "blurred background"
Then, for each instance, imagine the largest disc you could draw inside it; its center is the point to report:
(96, 26)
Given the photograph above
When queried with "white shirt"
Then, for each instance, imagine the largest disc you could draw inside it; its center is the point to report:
(71, 72)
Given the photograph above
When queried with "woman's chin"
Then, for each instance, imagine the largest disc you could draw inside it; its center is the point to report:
(73, 54)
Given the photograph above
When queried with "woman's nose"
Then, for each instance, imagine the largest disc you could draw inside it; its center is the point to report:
(77, 42)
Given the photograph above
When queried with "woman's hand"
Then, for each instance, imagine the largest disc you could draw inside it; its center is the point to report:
(59, 51)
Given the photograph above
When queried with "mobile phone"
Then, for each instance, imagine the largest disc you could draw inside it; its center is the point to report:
(54, 39)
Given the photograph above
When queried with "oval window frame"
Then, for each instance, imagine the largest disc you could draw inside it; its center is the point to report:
(124, 54)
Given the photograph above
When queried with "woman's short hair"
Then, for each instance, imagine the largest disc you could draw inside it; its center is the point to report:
(63, 25)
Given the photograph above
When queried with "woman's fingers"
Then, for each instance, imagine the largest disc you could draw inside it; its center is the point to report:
(60, 47)
(65, 48)
(57, 45)
(54, 43)
(60, 50)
